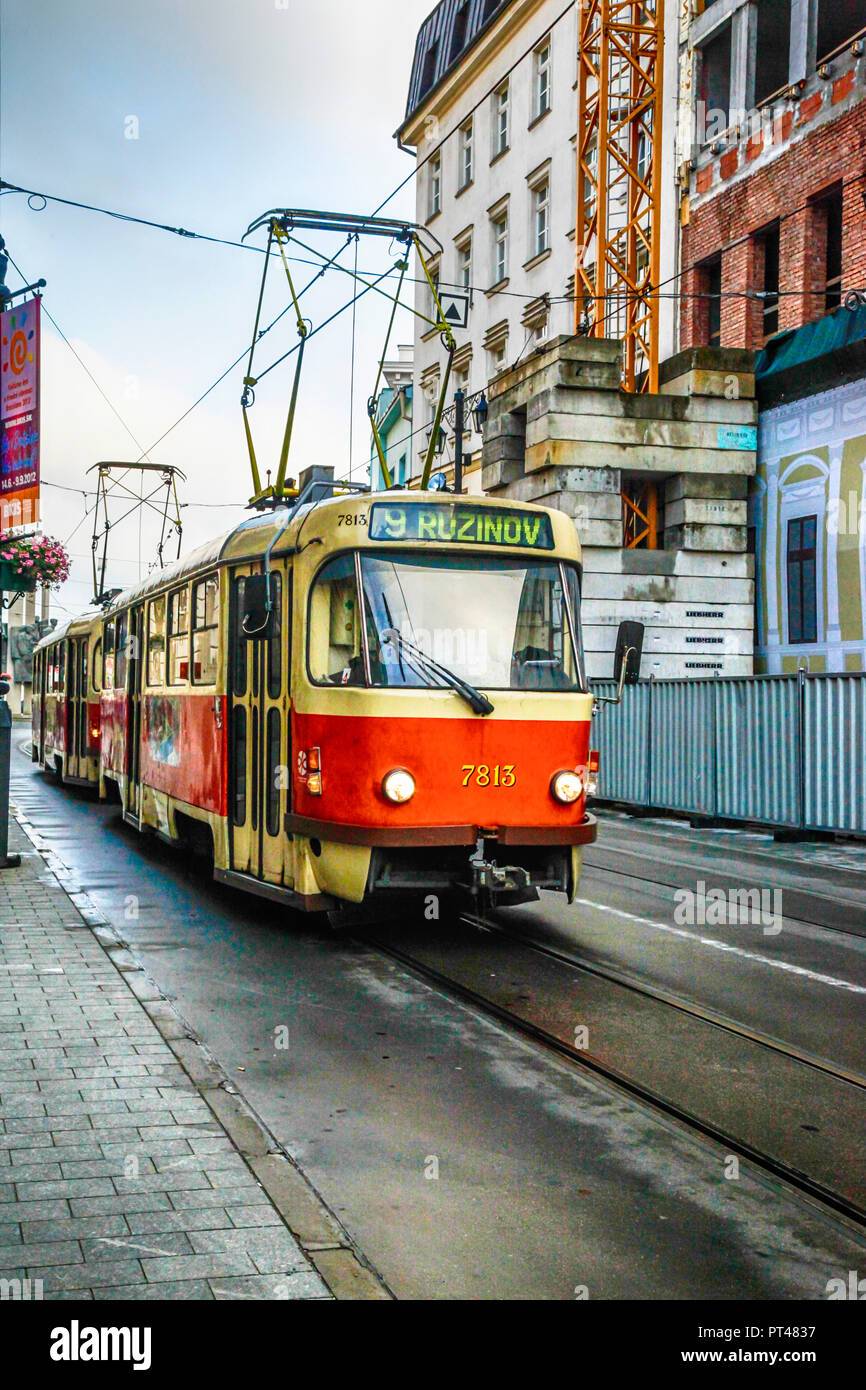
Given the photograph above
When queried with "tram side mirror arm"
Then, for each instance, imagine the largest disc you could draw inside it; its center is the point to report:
(255, 610)
(626, 662)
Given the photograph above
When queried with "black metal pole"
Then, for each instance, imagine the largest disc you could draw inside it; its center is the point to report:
(7, 860)
(458, 441)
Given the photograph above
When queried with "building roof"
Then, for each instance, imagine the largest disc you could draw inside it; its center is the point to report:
(808, 359)
(445, 36)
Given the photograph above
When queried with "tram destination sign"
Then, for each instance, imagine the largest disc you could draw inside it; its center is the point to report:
(460, 522)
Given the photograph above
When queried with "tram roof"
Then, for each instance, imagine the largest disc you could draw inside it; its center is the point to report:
(251, 536)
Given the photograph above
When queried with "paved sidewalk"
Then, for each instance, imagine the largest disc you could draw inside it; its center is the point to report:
(116, 1178)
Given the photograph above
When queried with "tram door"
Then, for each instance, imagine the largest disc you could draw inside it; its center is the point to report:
(72, 707)
(130, 654)
(259, 732)
(42, 678)
(76, 708)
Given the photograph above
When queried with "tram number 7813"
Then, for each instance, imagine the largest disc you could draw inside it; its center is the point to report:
(500, 775)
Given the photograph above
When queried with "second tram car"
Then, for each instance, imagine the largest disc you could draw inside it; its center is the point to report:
(345, 698)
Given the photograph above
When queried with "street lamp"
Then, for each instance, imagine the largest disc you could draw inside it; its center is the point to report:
(480, 411)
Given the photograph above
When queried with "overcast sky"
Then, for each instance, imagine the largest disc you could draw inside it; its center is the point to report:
(241, 106)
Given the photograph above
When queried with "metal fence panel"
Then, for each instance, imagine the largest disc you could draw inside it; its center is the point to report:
(834, 783)
(682, 735)
(621, 735)
(780, 750)
(758, 749)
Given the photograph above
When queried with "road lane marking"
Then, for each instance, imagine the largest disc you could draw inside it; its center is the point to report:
(724, 946)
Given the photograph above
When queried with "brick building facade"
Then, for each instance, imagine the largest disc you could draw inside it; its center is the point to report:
(776, 202)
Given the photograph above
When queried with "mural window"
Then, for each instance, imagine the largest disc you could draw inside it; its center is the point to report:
(802, 580)
(156, 641)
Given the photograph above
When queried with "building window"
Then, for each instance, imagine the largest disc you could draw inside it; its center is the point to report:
(540, 332)
(542, 80)
(541, 218)
(838, 22)
(500, 120)
(435, 186)
(458, 36)
(773, 45)
(713, 282)
(465, 155)
(499, 357)
(464, 264)
(428, 76)
(715, 61)
(802, 580)
(832, 209)
(401, 470)
(770, 239)
(500, 248)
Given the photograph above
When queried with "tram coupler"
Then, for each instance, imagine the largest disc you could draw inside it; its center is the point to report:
(490, 877)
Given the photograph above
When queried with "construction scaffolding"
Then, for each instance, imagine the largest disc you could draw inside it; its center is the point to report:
(616, 281)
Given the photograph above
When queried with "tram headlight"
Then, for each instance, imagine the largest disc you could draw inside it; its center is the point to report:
(566, 787)
(398, 785)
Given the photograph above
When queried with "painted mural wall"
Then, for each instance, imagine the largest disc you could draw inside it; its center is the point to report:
(808, 510)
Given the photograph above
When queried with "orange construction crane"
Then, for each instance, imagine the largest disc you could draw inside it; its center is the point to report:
(616, 278)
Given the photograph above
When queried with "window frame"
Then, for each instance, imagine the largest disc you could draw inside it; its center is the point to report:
(151, 636)
(500, 262)
(800, 559)
(465, 154)
(171, 635)
(194, 630)
(541, 216)
(501, 141)
(435, 187)
(542, 79)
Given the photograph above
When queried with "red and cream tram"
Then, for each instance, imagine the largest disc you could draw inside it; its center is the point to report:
(370, 693)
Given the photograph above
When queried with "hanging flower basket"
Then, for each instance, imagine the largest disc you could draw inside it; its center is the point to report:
(28, 561)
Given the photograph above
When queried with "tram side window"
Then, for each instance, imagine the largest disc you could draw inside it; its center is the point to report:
(61, 667)
(156, 641)
(543, 654)
(334, 653)
(178, 636)
(96, 670)
(108, 657)
(121, 654)
(275, 640)
(205, 630)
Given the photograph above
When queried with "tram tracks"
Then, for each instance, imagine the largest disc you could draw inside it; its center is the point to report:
(793, 1115)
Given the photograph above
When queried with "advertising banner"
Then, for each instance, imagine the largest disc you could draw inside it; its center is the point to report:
(19, 415)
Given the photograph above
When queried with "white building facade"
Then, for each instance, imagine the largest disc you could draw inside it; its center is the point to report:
(492, 118)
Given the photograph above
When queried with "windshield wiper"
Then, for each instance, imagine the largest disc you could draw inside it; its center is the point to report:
(479, 703)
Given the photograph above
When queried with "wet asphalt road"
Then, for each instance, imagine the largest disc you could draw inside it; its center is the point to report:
(466, 1162)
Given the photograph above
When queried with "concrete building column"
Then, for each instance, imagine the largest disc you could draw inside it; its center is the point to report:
(744, 55)
(803, 53)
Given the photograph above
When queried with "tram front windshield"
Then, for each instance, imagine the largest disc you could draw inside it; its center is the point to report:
(498, 622)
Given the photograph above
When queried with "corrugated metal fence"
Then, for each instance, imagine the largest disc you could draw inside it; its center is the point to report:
(780, 750)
